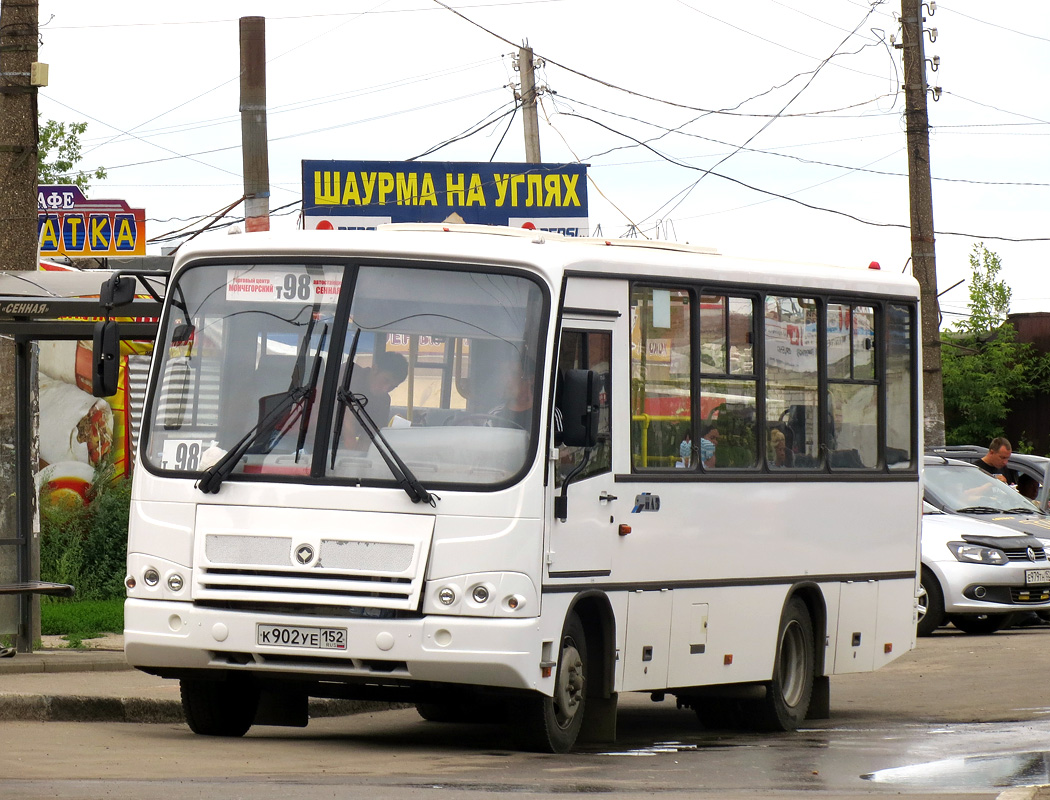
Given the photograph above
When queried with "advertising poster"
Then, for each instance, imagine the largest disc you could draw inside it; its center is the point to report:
(356, 195)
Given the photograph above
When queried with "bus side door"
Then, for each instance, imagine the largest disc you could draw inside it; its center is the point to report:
(583, 545)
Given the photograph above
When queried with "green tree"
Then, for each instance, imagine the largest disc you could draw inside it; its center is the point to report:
(985, 367)
(58, 152)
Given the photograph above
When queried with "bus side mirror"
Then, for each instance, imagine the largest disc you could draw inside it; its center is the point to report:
(117, 291)
(105, 358)
(579, 408)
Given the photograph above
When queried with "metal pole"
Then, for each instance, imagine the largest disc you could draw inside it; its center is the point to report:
(254, 155)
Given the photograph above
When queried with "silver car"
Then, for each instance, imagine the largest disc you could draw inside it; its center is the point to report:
(982, 562)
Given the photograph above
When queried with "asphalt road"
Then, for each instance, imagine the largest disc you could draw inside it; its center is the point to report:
(960, 715)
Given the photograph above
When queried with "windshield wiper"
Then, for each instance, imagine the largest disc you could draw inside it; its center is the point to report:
(979, 510)
(308, 402)
(1022, 510)
(400, 470)
(285, 410)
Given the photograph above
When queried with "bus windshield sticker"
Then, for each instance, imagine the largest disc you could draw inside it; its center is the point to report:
(293, 285)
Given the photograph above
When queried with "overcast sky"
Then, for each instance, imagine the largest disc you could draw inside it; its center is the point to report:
(805, 96)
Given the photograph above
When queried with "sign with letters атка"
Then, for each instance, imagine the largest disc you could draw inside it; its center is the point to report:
(68, 224)
(354, 195)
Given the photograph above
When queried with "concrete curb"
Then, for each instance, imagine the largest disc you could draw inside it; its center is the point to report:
(1026, 793)
(80, 708)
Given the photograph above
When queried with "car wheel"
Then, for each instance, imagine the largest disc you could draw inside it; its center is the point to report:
(930, 604)
(979, 624)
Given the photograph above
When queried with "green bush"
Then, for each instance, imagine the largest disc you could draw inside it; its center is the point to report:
(83, 619)
(86, 545)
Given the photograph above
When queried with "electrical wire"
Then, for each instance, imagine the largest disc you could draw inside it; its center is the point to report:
(759, 151)
(812, 206)
(681, 197)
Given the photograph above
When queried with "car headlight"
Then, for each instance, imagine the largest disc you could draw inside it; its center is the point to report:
(976, 554)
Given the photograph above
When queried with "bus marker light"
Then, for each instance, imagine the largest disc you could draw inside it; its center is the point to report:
(888, 647)
(624, 530)
(727, 659)
(130, 582)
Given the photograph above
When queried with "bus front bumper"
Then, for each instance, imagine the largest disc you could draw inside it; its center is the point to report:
(177, 637)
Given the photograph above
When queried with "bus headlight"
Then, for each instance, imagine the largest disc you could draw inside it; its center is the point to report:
(482, 594)
(151, 577)
(175, 582)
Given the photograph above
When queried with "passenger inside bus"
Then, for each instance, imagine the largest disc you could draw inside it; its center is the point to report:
(779, 455)
(387, 372)
(516, 379)
(708, 443)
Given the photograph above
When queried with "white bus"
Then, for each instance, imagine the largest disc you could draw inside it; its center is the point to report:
(445, 466)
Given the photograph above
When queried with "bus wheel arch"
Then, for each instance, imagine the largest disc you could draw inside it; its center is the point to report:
(798, 661)
(583, 705)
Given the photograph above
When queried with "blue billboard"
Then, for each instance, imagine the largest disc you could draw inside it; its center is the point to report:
(353, 195)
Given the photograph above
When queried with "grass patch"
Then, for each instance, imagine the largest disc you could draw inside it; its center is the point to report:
(80, 619)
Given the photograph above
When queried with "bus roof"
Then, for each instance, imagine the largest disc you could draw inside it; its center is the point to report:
(553, 255)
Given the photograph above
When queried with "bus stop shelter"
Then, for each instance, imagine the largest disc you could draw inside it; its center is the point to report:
(38, 306)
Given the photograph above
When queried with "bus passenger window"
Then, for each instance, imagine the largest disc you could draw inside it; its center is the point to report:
(900, 392)
(791, 376)
(728, 405)
(852, 425)
(661, 371)
(588, 350)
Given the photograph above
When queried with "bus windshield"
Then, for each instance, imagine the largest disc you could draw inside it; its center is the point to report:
(264, 372)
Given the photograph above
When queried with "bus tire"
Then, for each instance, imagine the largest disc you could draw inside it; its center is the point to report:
(219, 708)
(789, 692)
(551, 724)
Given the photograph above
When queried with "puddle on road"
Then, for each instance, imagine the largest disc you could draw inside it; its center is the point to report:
(997, 771)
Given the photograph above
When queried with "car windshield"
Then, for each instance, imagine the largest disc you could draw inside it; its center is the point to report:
(261, 364)
(966, 489)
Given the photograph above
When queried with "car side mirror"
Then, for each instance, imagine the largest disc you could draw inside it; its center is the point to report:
(579, 408)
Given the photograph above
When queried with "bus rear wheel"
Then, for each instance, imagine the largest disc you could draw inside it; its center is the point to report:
(789, 692)
(219, 708)
(551, 724)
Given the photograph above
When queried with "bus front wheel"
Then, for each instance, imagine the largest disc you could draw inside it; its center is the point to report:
(791, 689)
(551, 724)
(219, 708)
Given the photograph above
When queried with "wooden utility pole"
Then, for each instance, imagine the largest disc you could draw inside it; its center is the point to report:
(19, 44)
(923, 259)
(528, 104)
(254, 155)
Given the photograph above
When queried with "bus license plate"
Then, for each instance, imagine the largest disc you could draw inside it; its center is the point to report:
(298, 636)
(1032, 576)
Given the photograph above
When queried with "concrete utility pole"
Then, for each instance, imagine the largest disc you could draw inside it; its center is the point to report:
(528, 105)
(19, 44)
(923, 258)
(254, 155)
